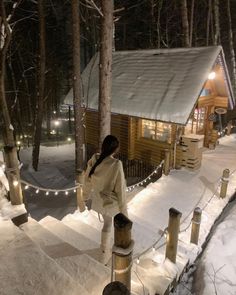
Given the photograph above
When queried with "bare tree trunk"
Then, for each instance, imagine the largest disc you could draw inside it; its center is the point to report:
(78, 111)
(29, 105)
(191, 23)
(41, 87)
(10, 151)
(217, 22)
(185, 24)
(105, 71)
(231, 46)
(158, 23)
(208, 22)
(151, 33)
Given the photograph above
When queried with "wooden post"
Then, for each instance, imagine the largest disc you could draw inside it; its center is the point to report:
(13, 175)
(224, 183)
(79, 193)
(196, 221)
(167, 162)
(115, 288)
(122, 249)
(229, 125)
(173, 234)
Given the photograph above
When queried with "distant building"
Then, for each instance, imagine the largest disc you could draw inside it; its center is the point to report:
(161, 99)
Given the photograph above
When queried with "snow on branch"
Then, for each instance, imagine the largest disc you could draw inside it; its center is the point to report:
(93, 5)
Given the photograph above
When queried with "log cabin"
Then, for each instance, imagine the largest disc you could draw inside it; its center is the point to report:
(162, 99)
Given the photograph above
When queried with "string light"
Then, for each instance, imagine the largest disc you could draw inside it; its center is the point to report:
(66, 193)
(26, 187)
(37, 191)
(47, 193)
(74, 190)
(138, 261)
(56, 193)
(153, 249)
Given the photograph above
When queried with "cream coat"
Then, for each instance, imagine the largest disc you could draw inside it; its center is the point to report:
(106, 187)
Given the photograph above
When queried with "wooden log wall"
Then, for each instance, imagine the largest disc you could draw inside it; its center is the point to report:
(119, 128)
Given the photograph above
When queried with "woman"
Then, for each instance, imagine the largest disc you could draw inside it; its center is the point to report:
(105, 185)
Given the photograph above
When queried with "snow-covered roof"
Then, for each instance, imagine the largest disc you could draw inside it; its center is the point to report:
(159, 84)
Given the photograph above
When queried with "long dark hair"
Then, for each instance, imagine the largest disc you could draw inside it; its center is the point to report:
(109, 145)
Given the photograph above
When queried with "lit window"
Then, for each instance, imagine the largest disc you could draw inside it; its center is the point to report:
(156, 130)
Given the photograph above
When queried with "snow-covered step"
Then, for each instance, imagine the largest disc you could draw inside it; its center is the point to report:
(86, 265)
(71, 257)
(89, 217)
(78, 225)
(76, 238)
(91, 274)
(48, 242)
(25, 269)
(143, 236)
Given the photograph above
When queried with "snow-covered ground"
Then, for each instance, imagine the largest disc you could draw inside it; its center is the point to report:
(182, 190)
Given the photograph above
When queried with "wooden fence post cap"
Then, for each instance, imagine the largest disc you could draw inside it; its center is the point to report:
(174, 212)
(226, 172)
(198, 210)
(115, 288)
(121, 221)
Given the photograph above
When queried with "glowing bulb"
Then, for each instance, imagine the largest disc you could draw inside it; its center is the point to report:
(153, 249)
(66, 192)
(26, 187)
(47, 193)
(212, 76)
(3, 166)
(56, 123)
(37, 191)
(138, 261)
(74, 190)
(18, 142)
(68, 139)
(15, 182)
(56, 193)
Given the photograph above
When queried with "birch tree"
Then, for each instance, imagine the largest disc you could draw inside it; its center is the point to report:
(191, 24)
(231, 46)
(78, 111)
(209, 14)
(105, 69)
(185, 23)
(41, 87)
(217, 22)
(10, 151)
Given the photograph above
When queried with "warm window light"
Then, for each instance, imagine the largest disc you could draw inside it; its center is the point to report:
(212, 76)
(15, 182)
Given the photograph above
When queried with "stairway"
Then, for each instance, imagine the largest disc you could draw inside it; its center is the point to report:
(68, 251)
(26, 269)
